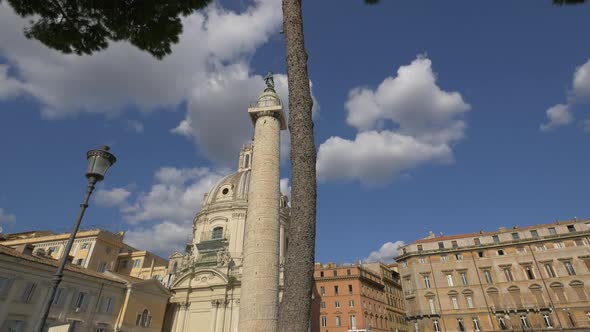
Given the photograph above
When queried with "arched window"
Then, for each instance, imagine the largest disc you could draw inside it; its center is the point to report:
(217, 233)
(175, 267)
(247, 161)
(145, 318)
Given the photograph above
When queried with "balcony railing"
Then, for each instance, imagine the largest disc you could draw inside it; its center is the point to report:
(521, 307)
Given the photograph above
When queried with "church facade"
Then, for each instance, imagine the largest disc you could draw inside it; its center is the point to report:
(207, 279)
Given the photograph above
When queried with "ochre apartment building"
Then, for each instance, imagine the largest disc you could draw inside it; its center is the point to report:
(532, 278)
(96, 249)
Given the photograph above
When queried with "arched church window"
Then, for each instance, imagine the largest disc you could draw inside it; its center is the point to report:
(175, 267)
(217, 233)
(247, 161)
(144, 319)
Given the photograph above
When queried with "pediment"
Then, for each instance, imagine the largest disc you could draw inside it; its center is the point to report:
(204, 278)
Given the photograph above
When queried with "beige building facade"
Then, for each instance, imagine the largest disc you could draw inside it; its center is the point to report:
(206, 280)
(97, 250)
(86, 300)
(533, 278)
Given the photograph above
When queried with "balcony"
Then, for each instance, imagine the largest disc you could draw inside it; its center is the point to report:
(527, 307)
(419, 314)
(210, 243)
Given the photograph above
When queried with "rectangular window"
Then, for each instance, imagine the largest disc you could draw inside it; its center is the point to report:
(528, 270)
(431, 305)
(337, 304)
(524, 322)
(107, 304)
(348, 272)
(324, 321)
(496, 239)
(323, 305)
(521, 250)
(450, 280)
(4, 285)
(515, 236)
(535, 234)
(349, 289)
(500, 252)
(102, 266)
(84, 246)
(558, 244)
(464, 279)
(353, 321)
(338, 321)
(80, 301)
(422, 260)
(28, 291)
(480, 254)
(436, 325)
(550, 271)
(541, 247)
(570, 268)
(502, 323)
(322, 290)
(475, 324)
(552, 231)
(441, 245)
(79, 261)
(488, 276)
(420, 248)
(571, 228)
(508, 274)
(459, 257)
(351, 303)
(321, 274)
(335, 290)
(460, 325)
(123, 264)
(469, 300)
(579, 242)
(548, 322)
(58, 296)
(427, 281)
(136, 263)
(444, 258)
(454, 244)
(455, 302)
(476, 241)
(335, 273)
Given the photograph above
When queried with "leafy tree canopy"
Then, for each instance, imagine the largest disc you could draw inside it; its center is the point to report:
(87, 26)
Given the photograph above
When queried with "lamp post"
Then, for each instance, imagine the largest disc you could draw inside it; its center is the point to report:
(99, 162)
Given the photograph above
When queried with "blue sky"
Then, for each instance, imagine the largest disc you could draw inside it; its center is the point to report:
(443, 116)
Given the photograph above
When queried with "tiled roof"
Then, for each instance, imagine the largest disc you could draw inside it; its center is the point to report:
(506, 230)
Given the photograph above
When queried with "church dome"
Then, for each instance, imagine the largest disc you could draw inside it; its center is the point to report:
(231, 188)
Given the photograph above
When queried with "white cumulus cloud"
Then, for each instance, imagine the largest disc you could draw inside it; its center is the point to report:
(558, 115)
(404, 123)
(111, 197)
(562, 114)
(162, 238)
(386, 253)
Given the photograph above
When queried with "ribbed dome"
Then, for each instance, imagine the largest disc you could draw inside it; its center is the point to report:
(233, 187)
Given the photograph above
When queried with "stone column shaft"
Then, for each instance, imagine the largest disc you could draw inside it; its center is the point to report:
(260, 278)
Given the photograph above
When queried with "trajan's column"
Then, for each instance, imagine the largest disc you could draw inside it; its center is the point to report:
(259, 301)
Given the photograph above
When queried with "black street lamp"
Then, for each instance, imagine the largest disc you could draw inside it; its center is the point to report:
(99, 162)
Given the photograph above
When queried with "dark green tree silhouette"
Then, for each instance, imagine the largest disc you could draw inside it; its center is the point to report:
(87, 26)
